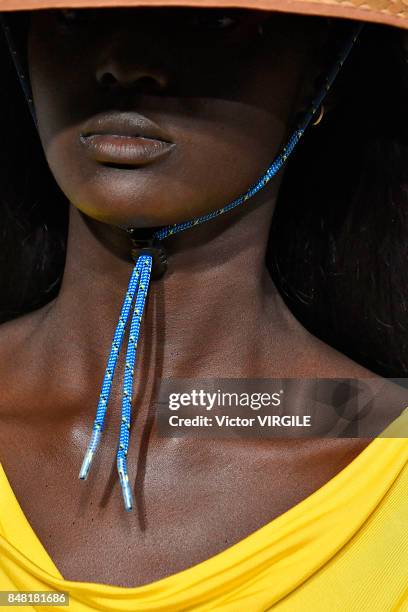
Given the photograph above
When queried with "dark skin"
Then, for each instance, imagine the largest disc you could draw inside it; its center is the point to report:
(231, 100)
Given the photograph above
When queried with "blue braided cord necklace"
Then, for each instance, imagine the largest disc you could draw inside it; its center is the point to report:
(150, 262)
(150, 254)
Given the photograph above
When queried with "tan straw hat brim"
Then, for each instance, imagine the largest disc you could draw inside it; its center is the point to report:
(391, 12)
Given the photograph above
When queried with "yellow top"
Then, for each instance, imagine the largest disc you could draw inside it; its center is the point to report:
(342, 549)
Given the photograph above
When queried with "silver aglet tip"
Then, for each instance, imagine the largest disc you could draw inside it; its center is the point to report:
(89, 455)
(124, 483)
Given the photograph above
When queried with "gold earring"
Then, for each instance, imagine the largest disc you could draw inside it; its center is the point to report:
(320, 117)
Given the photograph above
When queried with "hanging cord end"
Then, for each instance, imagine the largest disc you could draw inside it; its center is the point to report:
(90, 452)
(124, 483)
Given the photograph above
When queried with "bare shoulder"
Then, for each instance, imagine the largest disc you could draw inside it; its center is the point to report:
(15, 341)
(15, 332)
(324, 361)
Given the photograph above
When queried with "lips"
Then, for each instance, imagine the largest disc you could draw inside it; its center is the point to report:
(124, 139)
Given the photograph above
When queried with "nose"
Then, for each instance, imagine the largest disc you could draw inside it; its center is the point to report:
(115, 74)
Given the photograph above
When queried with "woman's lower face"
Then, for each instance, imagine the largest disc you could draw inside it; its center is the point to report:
(154, 116)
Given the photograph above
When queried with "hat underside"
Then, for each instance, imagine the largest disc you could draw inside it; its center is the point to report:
(389, 12)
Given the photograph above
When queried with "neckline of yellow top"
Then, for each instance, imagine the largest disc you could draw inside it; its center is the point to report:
(339, 507)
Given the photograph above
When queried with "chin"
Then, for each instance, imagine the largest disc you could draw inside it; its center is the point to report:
(116, 198)
(147, 196)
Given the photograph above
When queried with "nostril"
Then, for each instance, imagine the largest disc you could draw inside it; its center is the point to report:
(146, 84)
(107, 79)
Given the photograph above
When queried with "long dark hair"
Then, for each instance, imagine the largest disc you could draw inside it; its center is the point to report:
(339, 238)
(338, 249)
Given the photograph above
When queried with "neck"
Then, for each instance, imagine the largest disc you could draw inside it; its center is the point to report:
(212, 314)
